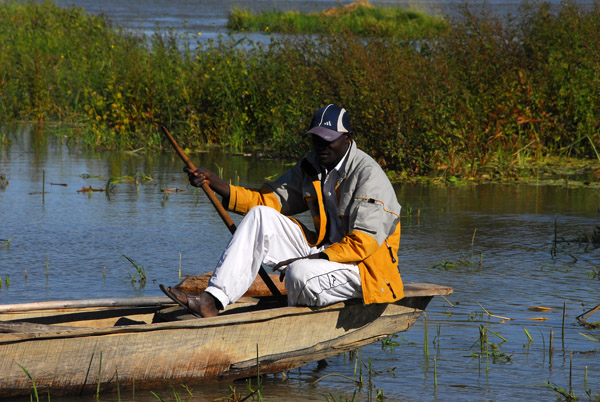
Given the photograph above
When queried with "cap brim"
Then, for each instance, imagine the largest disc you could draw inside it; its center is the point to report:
(325, 133)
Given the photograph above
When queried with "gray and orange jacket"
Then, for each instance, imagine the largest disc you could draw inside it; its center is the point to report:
(369, 212)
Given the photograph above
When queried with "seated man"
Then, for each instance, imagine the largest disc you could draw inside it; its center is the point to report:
(352, 253)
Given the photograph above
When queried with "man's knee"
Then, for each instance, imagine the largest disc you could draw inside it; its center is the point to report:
(297, 273)
(260, 211)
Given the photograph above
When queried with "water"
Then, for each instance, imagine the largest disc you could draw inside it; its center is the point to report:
(491, 243)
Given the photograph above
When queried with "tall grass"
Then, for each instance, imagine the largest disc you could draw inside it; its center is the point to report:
(482, 99)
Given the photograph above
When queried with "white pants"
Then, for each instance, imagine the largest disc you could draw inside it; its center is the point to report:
(266, 236)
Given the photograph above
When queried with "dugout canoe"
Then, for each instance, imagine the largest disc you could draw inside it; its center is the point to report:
(69, 346)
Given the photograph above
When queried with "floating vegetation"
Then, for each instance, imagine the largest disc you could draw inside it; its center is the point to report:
(90, 189)
(360, 18)
(136, 178)
(540, 308)
(594, 273)
(5, 243)
(472, 262)
(3, 182)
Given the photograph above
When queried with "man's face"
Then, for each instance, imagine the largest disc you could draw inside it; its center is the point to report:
(328, 153)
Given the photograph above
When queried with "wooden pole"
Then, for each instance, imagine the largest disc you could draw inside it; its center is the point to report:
(119, 302)
(219, 207)
(207, 190)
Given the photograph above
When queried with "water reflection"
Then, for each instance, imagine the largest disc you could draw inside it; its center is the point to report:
(492, 243)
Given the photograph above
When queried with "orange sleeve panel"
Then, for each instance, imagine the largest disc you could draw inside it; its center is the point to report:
(354, 247)
(242, 199)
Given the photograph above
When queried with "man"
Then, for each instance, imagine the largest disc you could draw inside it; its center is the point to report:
(352, 251)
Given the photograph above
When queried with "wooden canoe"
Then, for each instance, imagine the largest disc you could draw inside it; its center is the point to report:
(68, 347)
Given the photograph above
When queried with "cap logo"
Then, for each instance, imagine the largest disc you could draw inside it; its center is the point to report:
(327, 123)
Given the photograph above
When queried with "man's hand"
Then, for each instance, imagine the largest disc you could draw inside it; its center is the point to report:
(202, 176)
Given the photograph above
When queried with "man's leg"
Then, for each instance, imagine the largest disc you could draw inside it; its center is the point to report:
(321, 282)
(264, 235)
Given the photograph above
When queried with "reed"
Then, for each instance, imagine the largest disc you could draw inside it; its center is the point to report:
(568, 396)
(489, 349)
(35, 392)
(425, 337)
(564, 313)
(528, 337)
(551, 345)
(118, 385)
(389, 342)
(99, 379)
(140, 275)
(180, 264)
(435, 382)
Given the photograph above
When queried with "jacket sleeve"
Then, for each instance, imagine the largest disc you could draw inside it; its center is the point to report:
(284, 194)
(242, 199)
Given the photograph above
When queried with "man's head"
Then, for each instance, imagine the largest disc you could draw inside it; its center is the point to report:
(330, 131)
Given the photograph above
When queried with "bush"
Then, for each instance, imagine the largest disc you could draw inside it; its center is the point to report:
(484, 95)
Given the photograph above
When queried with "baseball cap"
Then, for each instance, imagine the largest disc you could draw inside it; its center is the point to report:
(330, 122)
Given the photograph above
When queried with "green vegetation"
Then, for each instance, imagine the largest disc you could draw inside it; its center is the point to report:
(485, 100)
(359, 18)
(139, 275)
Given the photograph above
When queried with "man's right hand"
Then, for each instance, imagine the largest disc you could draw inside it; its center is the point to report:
(202, 176)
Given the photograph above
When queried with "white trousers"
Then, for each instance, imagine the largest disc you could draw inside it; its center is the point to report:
(266, 236)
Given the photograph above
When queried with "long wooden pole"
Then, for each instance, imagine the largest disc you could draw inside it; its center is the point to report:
(119, 302)
(219, 207)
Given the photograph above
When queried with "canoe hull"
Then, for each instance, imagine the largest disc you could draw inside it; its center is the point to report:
(188, 351)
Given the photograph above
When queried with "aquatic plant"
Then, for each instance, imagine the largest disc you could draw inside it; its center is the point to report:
(389, 342)
(139, 274)
(490, 350)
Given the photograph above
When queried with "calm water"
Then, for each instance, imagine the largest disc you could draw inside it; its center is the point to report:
(70, 245)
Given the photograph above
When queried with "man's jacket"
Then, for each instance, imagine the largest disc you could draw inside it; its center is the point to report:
(369, 212)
